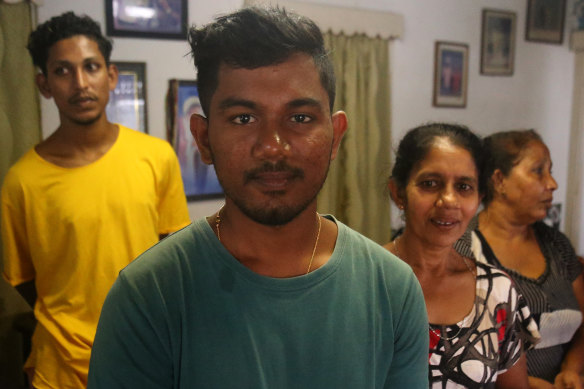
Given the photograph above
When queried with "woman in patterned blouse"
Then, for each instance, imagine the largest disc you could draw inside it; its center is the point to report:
(474, 310)
(540, 259)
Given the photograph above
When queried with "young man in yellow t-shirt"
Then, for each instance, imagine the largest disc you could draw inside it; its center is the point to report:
(83, 203)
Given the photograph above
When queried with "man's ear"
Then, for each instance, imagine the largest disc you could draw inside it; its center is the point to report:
(200, 131)
(112, 75)
(395, 194)
(43, 85)
(339, 120)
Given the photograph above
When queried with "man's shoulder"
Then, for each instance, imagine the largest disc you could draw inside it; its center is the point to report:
(169, 255)
(138, 139)
(368, 252)
(27, 166)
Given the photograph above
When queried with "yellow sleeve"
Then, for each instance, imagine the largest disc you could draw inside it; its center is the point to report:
(172, 207)
(17, 261)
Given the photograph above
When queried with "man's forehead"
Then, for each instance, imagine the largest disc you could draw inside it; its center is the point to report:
(73, 46)
(297, 72)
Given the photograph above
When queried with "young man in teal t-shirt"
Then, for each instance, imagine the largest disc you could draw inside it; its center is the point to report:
(266, 293)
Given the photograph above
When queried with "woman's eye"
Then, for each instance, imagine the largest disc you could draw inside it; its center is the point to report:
(428, 184)
(243, 119)
(465, 187)
(301, 118)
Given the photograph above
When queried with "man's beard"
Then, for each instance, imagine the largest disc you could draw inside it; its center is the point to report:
(86, 122)
(277, 215)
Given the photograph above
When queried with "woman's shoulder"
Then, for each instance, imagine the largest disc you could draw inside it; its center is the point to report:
(547, 233)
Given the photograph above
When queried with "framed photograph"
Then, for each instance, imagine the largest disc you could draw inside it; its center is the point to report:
(160, 19)
(450, 74)
(127, 103)
(545, 21)
(498, 42)
(199, 179)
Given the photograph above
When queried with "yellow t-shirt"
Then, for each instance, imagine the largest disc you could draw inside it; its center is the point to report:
(73, 229)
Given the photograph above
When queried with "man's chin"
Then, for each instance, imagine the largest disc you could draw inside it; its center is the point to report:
(86, 121)
(273, 217)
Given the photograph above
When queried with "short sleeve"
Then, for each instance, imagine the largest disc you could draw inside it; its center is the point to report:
(17, 261)
(520, 329)
(568, 255)
(172, 206)
(409, 367)
(130, 329)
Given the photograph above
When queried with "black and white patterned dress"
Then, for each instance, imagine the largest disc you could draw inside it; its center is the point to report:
(487, 342)
(550, 297)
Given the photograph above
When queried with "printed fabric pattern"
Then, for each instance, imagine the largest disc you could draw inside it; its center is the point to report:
(488, 341)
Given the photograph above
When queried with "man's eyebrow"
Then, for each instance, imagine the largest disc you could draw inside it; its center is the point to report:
(230, 102)
(58, 62)
(304, 102)
(67, 62)
(235, 102)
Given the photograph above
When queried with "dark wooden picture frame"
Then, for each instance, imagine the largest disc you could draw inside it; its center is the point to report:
(450, 74)
(498, 42)
(199, 179)
(159, 19)
(127, 103)
(545, 21)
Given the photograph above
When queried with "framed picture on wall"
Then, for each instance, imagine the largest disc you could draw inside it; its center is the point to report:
(450, 74)
(545, 21)
(159, 19)
(127, 103)
(498, 42)
(553, 217)
(199, 179)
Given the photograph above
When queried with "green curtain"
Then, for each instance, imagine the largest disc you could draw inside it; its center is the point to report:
(355, 190)
(19, 130)
(19, 104)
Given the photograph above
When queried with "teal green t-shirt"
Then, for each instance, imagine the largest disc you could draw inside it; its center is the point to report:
(187, 314)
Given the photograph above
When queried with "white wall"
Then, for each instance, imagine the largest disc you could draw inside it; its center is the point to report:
(538, 95)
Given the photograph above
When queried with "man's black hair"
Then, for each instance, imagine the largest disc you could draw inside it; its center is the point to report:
(62, 27)
(255, 37)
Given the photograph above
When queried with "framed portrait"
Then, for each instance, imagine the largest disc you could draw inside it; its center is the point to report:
(450, 74)
(498, 42)
(199, 179)
(160, 19)
(545, 21)
(127, 103)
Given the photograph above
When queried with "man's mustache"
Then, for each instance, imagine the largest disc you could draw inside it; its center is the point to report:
(80, 97)
(278, 167)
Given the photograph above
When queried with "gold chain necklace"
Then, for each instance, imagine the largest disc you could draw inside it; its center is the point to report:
(218, 224)
(438, 334)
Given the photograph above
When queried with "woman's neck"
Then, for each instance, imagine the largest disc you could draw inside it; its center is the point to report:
(425, 258)
(498, 221)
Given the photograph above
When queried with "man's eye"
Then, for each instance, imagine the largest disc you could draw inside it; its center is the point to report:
(301, 118)
(60, 71)
(92, 66)
(243, 119)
